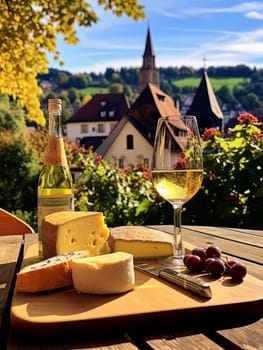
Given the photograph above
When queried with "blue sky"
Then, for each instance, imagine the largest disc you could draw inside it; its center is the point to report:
(183, 33)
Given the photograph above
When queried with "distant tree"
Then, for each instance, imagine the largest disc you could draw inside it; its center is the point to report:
(63, 79)
(77, 81)
(225, 95)
(116, 88)
(12, 117)
(251, 102)
(73, 95)
(29, 30)
(86, 99)
(18, 172)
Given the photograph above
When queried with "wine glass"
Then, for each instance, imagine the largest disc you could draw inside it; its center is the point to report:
(177, 171)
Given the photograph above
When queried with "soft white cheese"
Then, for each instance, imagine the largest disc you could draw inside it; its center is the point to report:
(104, 274)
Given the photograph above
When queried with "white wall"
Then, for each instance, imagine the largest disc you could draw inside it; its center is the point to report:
(74, 130)
(118, 150)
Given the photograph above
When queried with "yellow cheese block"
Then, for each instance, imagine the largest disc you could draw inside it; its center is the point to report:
(141, 242)
(104, 274)
(70, 231)
(53, 273)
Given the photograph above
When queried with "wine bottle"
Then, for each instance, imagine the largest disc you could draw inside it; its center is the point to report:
(55, 184)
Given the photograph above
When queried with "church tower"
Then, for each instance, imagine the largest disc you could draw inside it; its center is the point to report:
(148, 72)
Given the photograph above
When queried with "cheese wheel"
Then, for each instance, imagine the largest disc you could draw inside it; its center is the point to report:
(70, 231)
(104, 274)
(49, 274)
(142, 242)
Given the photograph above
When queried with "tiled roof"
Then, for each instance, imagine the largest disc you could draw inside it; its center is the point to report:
(102, 107)
(151, 104)
(205, 105)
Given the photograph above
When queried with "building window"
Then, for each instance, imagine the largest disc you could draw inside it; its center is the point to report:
(129, 142)
(121, 163)
(112, 113)
(103, 114)
(101, 128)
(103, 103)
(84, 128)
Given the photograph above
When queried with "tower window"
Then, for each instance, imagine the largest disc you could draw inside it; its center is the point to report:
(130, 142)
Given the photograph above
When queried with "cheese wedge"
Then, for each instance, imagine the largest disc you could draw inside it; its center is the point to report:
(104, 274)
(141, 242)
(53, 273)
(70, 231)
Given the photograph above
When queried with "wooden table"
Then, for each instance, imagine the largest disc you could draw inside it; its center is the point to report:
(223, 333)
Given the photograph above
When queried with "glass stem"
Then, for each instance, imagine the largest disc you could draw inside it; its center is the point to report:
(178, 240)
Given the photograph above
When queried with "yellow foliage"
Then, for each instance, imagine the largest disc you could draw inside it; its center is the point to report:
(29, 29)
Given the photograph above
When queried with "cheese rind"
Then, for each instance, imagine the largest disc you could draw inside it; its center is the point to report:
(105, 274)
(141, 242)
(70, 231)
(49, 274)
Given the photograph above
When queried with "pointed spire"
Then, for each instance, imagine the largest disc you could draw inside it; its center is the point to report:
(205, 62)
(149, 50)
(205, 106)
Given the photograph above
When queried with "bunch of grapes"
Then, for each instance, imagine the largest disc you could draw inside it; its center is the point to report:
(210, 260)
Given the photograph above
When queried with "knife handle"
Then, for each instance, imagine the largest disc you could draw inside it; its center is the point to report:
(194, 284)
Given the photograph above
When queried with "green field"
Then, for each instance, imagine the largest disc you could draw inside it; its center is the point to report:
(93, 91)
(216, 83)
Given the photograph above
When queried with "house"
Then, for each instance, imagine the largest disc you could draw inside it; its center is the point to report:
(94, 121)
(205, 106)
(131, 141)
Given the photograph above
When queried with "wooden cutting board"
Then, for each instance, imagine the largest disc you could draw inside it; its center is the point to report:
(152, 301)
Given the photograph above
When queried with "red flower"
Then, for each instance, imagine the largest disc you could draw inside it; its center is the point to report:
(181, 162)
(147, 176)
(98, 159)
(212, 175)
(247, 118)
(258, 135)
(209, 133)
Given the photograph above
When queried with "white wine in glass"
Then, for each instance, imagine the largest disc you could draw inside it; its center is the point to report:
(177, 171)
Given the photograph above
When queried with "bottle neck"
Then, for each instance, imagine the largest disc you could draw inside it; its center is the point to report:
(55, 124)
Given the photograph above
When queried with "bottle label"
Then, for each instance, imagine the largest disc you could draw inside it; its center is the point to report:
(55, 154)
(51, 204)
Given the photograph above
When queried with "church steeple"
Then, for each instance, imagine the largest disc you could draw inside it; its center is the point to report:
(148, 72)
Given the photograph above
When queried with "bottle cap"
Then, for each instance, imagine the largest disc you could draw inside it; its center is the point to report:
(55, 105)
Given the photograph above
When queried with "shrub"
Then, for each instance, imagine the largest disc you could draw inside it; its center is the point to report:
(232, 190)
(125, 196)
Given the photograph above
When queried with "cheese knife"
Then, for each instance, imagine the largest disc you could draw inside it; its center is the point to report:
(194, 284)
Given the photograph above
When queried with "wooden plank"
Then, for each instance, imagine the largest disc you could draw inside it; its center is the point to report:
(10, 248)
(63, 343)
(179, 342)
(246, 337)
(237, 248)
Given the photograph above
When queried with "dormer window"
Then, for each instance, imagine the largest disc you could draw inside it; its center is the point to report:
(103, 114)
(111, 113)
(161, 97)
(103, 103)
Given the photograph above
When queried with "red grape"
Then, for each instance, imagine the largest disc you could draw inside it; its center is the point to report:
(200, 252)
(213, 251)
(207, 262)
(238, 271)
(210, 260)
(216, 267)
(185, 257)
(194, 263)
